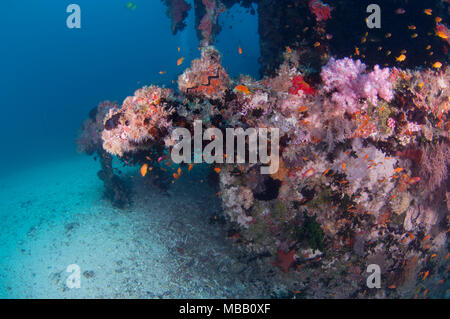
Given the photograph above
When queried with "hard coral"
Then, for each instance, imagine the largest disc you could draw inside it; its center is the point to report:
(141, 120)
(206, 77)
(89, 136)
(177, 11)
(209, 21)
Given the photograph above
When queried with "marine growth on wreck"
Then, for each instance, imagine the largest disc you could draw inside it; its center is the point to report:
(364, 147)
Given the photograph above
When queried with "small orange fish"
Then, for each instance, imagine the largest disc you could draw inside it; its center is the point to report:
(438, 19)
(289, 50)
(432, 256)
(411, 235)
(344, 166)
(365, 157)
(240, 50)
(428, 12)
(441, 34)
(412, 27)
(176, 176)
(302, 109)
(180, 61)
(392, 286)
(242, 88)
(356, 51)
(426, 237)
(426, 275)
(179, 49)
(162, 72)
(217, 170)
(388, 35)
(400, 58)
(326, 171)
(144, 169)
(179, 171)
(317, 44)
(189, 167)
(398, 170)
(415, 35)
(437, 65)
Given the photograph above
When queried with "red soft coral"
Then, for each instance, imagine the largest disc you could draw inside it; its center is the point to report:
(299, 84)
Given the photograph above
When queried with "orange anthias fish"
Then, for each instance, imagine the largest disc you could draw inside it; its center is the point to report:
(176, 176)
(242, 88)
(428, 12)
(144, 169)
(302, 109)
(442, 35)
(401, 58)
(240, 50)
(179, 171)
(180, 61)
(217, 170)
(189, 167)
(398, 170)
(437, 65)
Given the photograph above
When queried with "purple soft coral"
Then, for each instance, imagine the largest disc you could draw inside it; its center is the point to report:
(349, 82)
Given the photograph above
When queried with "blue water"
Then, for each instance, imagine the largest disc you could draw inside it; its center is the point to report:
(50, 78)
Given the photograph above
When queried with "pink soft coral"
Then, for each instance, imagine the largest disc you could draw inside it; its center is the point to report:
(349, 82)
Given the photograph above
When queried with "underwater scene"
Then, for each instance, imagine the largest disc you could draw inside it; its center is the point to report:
(225, 149)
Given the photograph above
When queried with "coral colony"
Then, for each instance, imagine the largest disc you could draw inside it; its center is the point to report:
(363, 164)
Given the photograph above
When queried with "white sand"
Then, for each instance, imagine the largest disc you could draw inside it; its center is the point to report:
(163, 246)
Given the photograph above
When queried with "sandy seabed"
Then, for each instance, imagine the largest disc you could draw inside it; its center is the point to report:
(165, 245)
